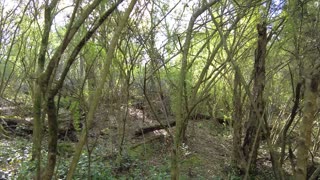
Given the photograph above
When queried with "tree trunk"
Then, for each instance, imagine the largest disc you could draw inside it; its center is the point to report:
(100, 84)
(256, 117)
(176, 153)
(182, 104)
(52, 139)
(237, 156)
(288, 124)
(39, 89)
(309, 112)
(37, 129)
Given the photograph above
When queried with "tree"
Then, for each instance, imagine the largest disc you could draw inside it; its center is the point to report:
(46, 87)
(181, 118)
(309, 113)
(228, 61)
(101, 82)
(257, 115)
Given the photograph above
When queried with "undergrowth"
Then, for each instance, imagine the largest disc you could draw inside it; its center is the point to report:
(100, 168)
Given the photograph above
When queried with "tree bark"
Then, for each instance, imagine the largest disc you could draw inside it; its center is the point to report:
(252, 136)
(309, 112)
(293, 114)
(146, 130)
(52, 139)
(237, 156)
(39, 89)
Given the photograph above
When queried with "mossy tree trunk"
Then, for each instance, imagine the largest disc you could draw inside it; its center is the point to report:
(306, 52)
(237, 156)
(52, 139)
(310, 109)
(47, 87)
(40, 88)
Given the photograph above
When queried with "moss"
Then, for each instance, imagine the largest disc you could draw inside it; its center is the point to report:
(142, 151)
(192, 166)
(192, 161)
(65, 148)
(146, 150)
(105, 131)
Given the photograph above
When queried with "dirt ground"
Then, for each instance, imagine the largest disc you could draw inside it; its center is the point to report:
(206, 151)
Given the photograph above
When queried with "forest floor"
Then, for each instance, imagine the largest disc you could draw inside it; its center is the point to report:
(206, 153)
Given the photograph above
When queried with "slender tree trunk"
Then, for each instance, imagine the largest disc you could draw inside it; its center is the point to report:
(288, 124)
(37, 129)
(52, 140)
(100, 85)
(252, 136)
(39, 89)
(181, 117)
(237, 156)
(126, 94)
(309, 111)
(176, 153)
(91, 79)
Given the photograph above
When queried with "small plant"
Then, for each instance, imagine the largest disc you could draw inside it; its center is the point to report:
(26, 169)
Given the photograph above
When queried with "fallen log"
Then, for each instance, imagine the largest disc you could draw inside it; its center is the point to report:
(8, 121)
(199, 116)
(22, 127)
(149, 129)
(16, 125)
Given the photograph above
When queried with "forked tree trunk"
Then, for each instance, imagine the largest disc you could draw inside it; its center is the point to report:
(38, 89)
(309, 111)
(181, 117)
(252, 136)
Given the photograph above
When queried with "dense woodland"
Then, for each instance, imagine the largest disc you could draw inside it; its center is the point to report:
(158, 89)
